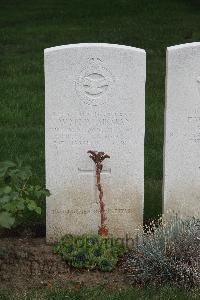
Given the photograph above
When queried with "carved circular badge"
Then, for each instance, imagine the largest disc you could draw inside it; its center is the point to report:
(94, 83)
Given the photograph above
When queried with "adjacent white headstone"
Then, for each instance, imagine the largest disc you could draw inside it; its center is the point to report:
(95, 100)
(182, 131)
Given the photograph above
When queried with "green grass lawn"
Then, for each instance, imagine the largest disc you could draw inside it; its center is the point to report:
(79, 292)
(27, 27)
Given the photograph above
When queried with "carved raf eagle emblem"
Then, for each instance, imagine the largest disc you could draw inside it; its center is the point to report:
(94, 83)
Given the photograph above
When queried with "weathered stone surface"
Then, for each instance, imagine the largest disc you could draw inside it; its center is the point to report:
(94, 96)
(182, 131)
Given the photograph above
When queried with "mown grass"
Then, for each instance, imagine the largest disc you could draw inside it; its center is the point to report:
(100, 293)
(27, 27)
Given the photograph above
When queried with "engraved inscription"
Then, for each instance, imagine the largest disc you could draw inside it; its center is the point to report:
(81, 128)
(86, 211)
(94, 83)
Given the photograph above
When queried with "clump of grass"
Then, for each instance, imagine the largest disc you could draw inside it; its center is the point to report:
(167, 254)
(79, 291)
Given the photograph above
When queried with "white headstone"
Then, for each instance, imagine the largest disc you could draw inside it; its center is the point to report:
(95, 100)
(182, 131)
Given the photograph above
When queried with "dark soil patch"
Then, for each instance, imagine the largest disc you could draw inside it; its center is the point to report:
(30, 262)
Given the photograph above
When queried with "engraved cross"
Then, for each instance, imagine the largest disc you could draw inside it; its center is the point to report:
(93, 172)
(198, 84)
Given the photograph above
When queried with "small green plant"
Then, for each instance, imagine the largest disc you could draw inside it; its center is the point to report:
(167, 254)
(90, 251)
(17, 195)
